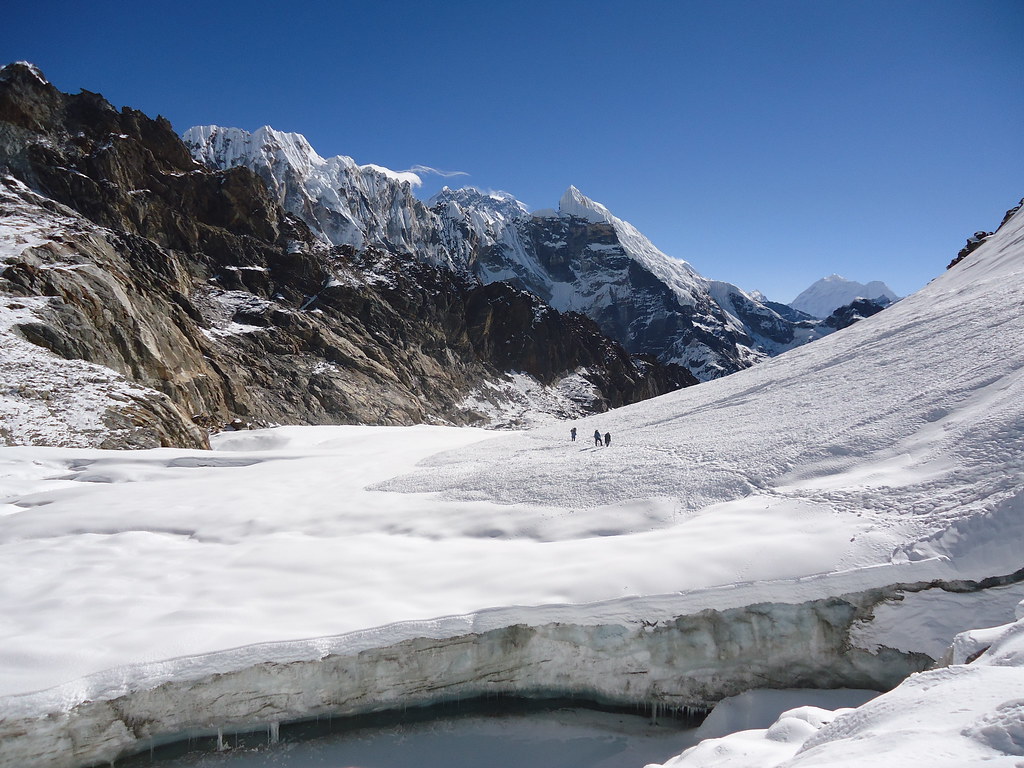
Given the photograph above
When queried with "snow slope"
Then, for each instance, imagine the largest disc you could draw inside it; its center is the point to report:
(825, 296)
(908, 421)
(888, 453)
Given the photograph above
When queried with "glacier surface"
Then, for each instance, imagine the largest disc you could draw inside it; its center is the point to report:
(771, 525)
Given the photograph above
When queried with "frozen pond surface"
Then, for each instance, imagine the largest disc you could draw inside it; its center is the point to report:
(563, 738)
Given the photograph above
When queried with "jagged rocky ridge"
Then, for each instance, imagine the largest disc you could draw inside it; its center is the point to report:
(858, 309)
(196, 284)
(579, 258)
(979, 237)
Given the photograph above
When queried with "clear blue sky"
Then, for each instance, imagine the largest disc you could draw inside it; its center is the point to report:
(768, 143)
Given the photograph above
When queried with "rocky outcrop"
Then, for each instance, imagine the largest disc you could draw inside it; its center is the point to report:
(973, 242)
(856, 310)
(786, 311)
(979, 237)
(195, 284)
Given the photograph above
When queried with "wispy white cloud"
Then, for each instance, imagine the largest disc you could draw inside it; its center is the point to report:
(412, 175)
(435, 171)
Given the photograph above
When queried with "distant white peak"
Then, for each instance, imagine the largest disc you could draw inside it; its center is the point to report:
(877, 288)
(829, 293)
(757, 296)
(575, 203)
(267, 136)
(490, 204)
(471, 194)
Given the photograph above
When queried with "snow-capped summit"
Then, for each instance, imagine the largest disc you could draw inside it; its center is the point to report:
(585, 259)
(488, 213)
(683, 279)
(23, 66)
(828, 294)
(575, 203)
(229, 147)
(343, 203)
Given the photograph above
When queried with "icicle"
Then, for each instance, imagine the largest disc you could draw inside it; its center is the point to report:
(275, 732)
(220, 740)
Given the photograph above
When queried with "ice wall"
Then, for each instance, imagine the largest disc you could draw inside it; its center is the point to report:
(691, 660)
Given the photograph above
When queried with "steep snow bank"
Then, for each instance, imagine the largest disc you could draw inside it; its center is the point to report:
(969, 713)
(688, 661)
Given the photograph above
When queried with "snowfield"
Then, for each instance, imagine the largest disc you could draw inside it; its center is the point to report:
(889, 453)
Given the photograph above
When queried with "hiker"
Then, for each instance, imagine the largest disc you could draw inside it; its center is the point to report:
(597, 438)
(573, 433)
(607, 439)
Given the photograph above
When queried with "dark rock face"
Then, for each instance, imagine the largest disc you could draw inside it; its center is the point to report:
(196, 284)
(761, 319)
(516, 330)
(788, 312)
(847, 315)
(973, 242)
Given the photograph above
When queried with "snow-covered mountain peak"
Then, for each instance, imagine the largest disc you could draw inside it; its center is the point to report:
(575, 203)
(585, 259)
(579, 258)
(229, 147)
(829, 293)
(493, 201)
(676, 273)
(488, 214)
(9, 70)
(343, 203)
(226, 147)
